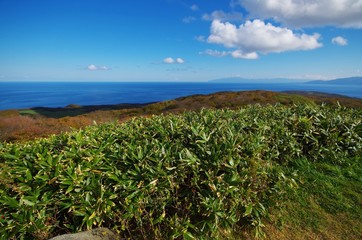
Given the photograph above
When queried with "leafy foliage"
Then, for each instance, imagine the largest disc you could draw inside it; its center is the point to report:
(27, 124)
(169, 176)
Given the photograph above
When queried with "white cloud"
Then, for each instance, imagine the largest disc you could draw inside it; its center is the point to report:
(223, 16)
(215, 53)
(93, 67)
(255, 37)
(234, 54)
(170, 60)
(180, 60)
(308, 13)
(240, 54)
(188, 19)
(341, 41)
(194, 7)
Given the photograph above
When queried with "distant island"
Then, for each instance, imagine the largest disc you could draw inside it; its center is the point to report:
(251, 80)
(338, 81)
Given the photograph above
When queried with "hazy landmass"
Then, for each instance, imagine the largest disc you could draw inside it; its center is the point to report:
(340, 81)
(257, 80)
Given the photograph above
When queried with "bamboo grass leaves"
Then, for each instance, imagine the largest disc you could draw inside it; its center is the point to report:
(172, 176)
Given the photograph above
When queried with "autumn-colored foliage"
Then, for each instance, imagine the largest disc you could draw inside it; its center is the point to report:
(41, 122)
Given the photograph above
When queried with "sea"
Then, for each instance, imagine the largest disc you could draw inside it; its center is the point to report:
(22, 95)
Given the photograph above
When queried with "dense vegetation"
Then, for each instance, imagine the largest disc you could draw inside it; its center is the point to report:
(204, 174)
(27, 124)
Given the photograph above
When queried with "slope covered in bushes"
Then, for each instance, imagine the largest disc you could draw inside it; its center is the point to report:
(198, 174)
(29, 124)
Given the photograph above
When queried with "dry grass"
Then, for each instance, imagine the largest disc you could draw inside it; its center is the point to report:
(43, 122)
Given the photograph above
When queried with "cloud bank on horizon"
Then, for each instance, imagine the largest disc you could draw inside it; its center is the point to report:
(276, 26)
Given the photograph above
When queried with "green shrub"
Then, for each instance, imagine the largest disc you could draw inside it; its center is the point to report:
(168, 176)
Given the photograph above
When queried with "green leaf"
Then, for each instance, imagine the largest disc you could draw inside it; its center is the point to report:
(188, 236)
(248, 210)
(28, 175)
(27, 202)
(9, 201)
(69, 189)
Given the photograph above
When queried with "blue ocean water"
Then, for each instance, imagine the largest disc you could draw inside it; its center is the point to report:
(18, 95)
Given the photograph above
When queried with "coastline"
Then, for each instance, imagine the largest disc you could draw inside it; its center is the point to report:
(60, 94)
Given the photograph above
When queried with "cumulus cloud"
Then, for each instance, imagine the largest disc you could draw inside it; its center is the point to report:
(93, 67)
(307, 13)
(341, 41)
(240, 54)
(170, 60)
(223, 16)
(180, 60)
(255, 37)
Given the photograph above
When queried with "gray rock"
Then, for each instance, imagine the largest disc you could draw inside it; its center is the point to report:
(95, 234)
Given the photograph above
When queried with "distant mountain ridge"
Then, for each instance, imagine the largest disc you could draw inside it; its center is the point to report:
(247, 80)
(340, 81)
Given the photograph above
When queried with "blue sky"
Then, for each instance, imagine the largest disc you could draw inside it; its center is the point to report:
(179, 40)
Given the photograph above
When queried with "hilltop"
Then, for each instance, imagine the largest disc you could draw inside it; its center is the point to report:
(26, 124)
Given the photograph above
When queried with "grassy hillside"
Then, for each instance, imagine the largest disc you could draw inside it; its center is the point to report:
(276, 171)
(27, 124)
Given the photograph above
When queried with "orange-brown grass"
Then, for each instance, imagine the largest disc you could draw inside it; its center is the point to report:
(20, 128)
(14, 127)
